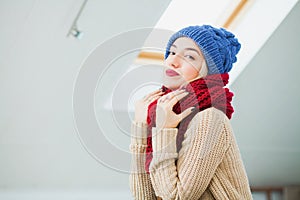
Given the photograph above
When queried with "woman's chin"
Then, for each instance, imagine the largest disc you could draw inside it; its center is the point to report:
(172, 85)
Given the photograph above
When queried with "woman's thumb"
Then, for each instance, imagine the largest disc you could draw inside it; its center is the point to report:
(187, 112)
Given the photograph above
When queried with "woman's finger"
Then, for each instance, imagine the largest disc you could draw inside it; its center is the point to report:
(171, 95)
(154, 97)
(153, 93)
(177, 98)
(186, 113)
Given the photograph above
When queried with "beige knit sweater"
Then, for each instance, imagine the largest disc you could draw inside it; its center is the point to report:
(209, 165)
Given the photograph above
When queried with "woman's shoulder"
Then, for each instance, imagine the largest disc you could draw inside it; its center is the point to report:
(211, 113)
(212, 121)
(210, 117)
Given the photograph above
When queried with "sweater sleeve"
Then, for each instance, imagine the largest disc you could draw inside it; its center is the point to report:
(139, 180)
(203, 149)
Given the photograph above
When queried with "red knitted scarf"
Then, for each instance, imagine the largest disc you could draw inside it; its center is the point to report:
(203, 93)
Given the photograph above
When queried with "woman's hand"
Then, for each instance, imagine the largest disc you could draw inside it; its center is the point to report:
(165, 117)
(141, 106)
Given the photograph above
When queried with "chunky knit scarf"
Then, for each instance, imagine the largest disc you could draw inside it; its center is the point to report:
(203, 93)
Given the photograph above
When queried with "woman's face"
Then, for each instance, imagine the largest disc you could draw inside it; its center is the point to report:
(184, 63)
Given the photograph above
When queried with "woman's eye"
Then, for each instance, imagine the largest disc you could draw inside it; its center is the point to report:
(171, 52)
(190, 57)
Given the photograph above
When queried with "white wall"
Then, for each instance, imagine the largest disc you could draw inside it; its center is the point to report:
(266, 118)
(39, 145)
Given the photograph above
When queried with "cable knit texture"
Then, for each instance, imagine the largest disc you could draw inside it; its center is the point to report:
(208, 166)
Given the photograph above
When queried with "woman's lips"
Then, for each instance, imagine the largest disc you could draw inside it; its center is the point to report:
(170, 72)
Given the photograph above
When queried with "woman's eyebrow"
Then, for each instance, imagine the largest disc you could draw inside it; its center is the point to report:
(188, 48)
(192, 49)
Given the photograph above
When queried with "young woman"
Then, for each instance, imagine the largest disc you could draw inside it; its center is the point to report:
(182, 142)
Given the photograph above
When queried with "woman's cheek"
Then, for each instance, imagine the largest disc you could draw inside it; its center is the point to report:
(190, 73)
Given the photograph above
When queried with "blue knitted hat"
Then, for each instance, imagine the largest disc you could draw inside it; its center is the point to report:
(218, 46)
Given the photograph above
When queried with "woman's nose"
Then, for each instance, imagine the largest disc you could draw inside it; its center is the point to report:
(174, 61)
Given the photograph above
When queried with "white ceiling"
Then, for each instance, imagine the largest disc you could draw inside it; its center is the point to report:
(39, 145)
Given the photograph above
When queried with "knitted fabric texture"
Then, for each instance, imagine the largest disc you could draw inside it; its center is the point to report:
(218, 46)
(208, 166)
(203, 93)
